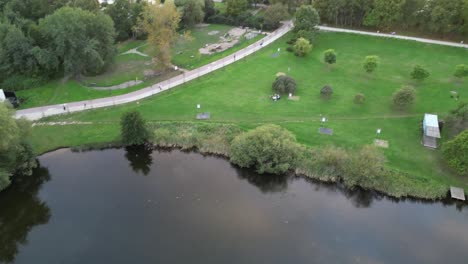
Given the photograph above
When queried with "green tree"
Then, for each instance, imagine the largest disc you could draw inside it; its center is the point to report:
(284, 85)
(302, 47)
(268, 149)
(192, 12)
(461, 71)
(371, 63)
(274, 14)
(385, 13)
(455, 153)
(125, 15)
(306, 18)
(329, 56)
(80, 40)
(419, 73)
(133, 128)
(326, 91)
(16, 154)
(90, 5)
(404, 97)
(236, 7)
(160, 22)
(209, 9)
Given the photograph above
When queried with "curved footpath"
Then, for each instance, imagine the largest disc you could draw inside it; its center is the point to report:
(49, 110)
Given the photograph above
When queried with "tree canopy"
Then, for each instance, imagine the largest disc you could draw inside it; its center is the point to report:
(284, 84)
(16, 154)
(160, 22)
(307, 18)
(81, 41)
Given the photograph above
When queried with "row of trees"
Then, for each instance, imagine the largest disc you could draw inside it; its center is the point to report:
(440, 17)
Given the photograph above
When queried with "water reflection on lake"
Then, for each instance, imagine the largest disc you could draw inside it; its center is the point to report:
(141, 206)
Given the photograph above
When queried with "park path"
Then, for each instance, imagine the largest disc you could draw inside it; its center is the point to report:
(375, 34)
(49, 110)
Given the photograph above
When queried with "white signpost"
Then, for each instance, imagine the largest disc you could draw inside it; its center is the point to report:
(198, 106)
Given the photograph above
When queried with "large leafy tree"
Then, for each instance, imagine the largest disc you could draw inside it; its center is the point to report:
(274, 14)
(16, 155)
(81, 41)
(125, 16)
(160, 22)
(192, 11)
(236, 7)
(307, 18)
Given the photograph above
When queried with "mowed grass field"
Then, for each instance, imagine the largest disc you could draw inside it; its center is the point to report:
(240, 94)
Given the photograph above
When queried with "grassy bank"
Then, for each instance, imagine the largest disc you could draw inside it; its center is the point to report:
(215, 138)
(239, 94)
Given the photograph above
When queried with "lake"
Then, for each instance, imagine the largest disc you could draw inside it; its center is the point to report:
(138, 205)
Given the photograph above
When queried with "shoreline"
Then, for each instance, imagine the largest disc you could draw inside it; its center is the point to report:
(337, 183)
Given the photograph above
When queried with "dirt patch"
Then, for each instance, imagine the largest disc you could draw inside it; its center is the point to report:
(214, 32)
(294, 98)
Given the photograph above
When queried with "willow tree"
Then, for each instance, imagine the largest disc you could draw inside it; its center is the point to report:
(160, 22)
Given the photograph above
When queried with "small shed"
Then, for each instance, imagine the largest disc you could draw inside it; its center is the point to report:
(2, 96)
(431, 131)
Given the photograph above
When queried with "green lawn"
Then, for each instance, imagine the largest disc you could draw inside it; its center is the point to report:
(240, 94)
(128, 67)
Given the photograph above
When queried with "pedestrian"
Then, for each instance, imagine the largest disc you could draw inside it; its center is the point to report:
(160, 88)
(64, 107)
(84, 105)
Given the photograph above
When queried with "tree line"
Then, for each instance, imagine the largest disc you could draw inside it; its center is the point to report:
(438, 17)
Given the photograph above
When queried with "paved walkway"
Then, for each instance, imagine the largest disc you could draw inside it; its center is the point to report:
(49, 110)
(430, 41)
(39, 112)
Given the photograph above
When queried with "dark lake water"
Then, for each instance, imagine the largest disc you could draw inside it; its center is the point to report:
(144, 206)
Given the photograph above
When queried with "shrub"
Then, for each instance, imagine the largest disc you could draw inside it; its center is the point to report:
(359, 98)
(332, 161)
(404, 97)
(419, 73)
(133, 128)
(461, 71)
(268, 149)
(326, 91)
(365, 167)
(370, 63)
(455, 153)
(309, 35)
(302, 47)
(284, 85)
(290, 49)
(329, 56)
